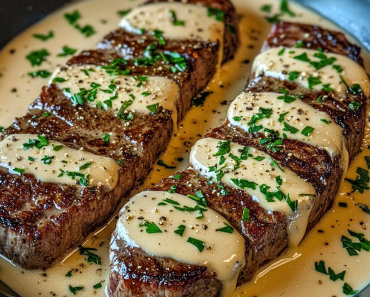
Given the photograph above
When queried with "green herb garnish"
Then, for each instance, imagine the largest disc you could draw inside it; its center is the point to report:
(180, 230)
(197, 243)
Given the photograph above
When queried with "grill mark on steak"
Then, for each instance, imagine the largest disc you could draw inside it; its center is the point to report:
(265, 233)
(40, 222)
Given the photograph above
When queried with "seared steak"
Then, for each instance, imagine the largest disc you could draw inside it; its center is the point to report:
(40, 222)
(135, 273)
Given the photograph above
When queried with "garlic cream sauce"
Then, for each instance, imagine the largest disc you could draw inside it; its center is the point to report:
(297, 277)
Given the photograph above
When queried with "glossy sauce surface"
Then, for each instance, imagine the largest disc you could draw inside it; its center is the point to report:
(273, 63)
(258, 170)
(297, 277)
(223, 252)
(137, 93)
(289, 118)
(56, 163)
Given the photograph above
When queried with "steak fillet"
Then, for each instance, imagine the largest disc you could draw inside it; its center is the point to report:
(135, 273)
(40, 222)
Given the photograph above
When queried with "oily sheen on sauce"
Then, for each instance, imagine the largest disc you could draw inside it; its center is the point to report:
(291, 279)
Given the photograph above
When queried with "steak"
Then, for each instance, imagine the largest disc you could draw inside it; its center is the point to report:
(40, 222)
(136, 273)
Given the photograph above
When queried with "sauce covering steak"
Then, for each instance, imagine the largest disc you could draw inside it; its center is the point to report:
(137, 273)
(40, 222)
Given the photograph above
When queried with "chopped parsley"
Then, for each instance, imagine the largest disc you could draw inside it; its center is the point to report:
(281, 52)
(266, 8)
(286, 97)
(91, 257)
(307, 131)
(353, 105)
(243, 183)
(66, 51)
(320, 267)
(172, 189)
(224, 148)
(44, 37)
(313, 81)
(275, 164)
(174, 19)
(41, 73)
(354, 90)
(362, 180)
(178, 176)
(293, 75)
(364, 208)
(325, 121)
(281, 117)
(97, 286)
(121, 113)
(161, 163)
(302, 57)
(259, 158)
(74, 290)
(85, 166)
(327, 87)
(46, 160)
(84, 180)
(354, 247)
(153, 108)
(226, 229)
(217, 13)
(263, 113)
(245, 216)
(338, 68)
(72, 17)
(37, 57)
(180, 230)
(197, 243)
(150, 227)
(31, 159)
(122, 13)
(106, 137)
(200, 99)
(58, 80)
(19, 170)
(284, 8)
(347, 289)
(69, 274)
(39, 143)
(87, 30)
(290, 129)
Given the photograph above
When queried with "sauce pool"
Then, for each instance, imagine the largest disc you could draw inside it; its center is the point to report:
(297, 277)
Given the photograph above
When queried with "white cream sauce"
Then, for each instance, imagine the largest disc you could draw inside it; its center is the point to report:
(141, 92)
(270, 63)
(222, 252)
(196, 23)
(326, 133)
(259, 173)
(157, 17)
(48, 162)
(297, 277)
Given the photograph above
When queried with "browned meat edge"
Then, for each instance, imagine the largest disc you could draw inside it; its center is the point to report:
(40, 222)
(265, 235)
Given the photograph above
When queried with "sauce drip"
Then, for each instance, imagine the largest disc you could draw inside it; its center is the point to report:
(257, 173)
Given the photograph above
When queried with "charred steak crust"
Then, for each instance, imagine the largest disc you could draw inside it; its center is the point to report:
(265, 233)
(40, 222)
